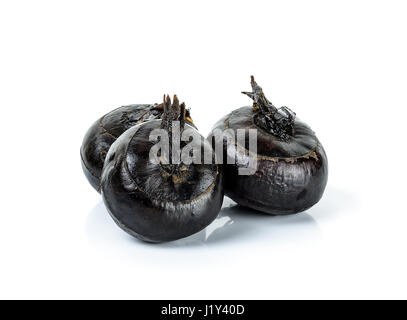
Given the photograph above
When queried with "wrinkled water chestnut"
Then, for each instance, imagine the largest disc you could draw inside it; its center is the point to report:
(158, 201)
(107, 129)
(291, 165)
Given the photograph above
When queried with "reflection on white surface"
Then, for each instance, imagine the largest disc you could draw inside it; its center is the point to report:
(235, 224)
(243, 252)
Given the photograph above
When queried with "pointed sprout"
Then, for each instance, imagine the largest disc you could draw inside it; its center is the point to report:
(168, 101)
(182, 115)
(259, 99)
(249, 94)
(175, 102)
(254, 85)
(182, 110)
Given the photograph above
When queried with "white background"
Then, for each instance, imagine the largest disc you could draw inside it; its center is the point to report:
(340, 65)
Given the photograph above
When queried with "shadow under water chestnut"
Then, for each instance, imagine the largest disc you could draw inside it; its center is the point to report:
(158, 201)
(291, 165)
(107, 129)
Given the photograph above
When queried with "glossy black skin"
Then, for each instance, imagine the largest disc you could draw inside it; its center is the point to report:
(291, 173)
(106, 130)
(149, 205)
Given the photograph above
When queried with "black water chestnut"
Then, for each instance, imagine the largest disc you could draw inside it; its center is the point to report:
(107, 129)
(160, 201)
(292, 168)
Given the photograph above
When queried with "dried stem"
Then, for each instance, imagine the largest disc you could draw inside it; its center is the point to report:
(173, 112)
(279, 122)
